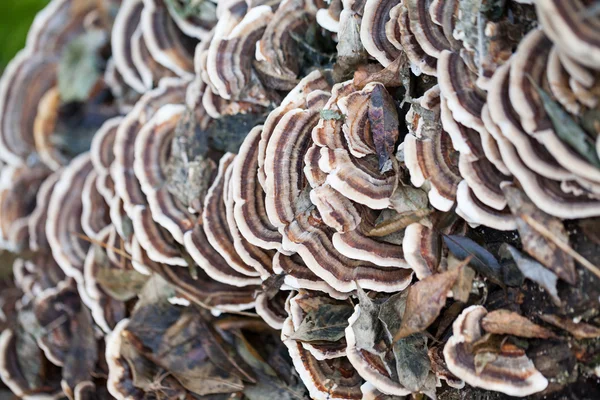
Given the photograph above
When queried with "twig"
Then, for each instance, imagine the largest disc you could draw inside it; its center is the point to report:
(560, 244)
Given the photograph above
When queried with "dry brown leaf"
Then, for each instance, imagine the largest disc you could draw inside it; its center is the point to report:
(425, 301)
(383, 118)
(398, 222)
(505, 322)
(464, 282)
(541, 246)
(389, 76)
(580, 330)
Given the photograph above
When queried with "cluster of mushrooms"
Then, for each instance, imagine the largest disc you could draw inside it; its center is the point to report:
(224, 180)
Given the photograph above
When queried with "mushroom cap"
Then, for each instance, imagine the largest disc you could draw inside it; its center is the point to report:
(203, 243)
(253, 256)
(94, 209)
(307, 236)
(102, 154)
(429, 156)
(194, 25)
(428, 19)
(275, 62)
(37, 219)
(561, 22)
(373, 34)
(127, 187)
(329, 18)
(57, 24)
(317, 375)
(231, 51)
(249, 210)
(458, 86)
(421, 62)
(19, 107)
(215, 225)
(530, 162)
(18, 197)
(63, 224)
(528, 65)
(120, 373)
(160, 246)
(514, 375)
(166, 43)
(152, 146)
(296, 98)
(272, 310)
(12, 374)
(284, 154)
(106, 311)
(504, 117)
(421, 249)
(472, 210)
(122, 39)
(298, 276)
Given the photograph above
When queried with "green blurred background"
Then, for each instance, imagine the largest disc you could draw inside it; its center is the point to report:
(15, 18)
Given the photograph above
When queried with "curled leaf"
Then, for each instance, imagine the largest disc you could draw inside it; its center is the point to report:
(121, 284)
(568, 129)
(425, 301)
(327, 323)
(388, 76)
(412, 361)
(398, 222)
(505, 322)
(383, 119)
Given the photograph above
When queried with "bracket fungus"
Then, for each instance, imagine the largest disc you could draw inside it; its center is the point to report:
(507, 372)
(255, 199)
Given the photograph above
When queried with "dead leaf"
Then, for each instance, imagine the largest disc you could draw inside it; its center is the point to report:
(272, 284)
(121, 284)
(534, 271)
(505, 322)
(412, 361)
(350, 50)
(540, 246)
(398, 222)
(407, 198)
(579, 330)
(464, 284)
(391, 312)
(368, 330)
(425, 301)
(327, 323)
(269, 384)
(388, 76)
(567, 129)
(383, 119)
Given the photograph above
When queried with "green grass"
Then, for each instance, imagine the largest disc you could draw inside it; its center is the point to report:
(15, 18)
